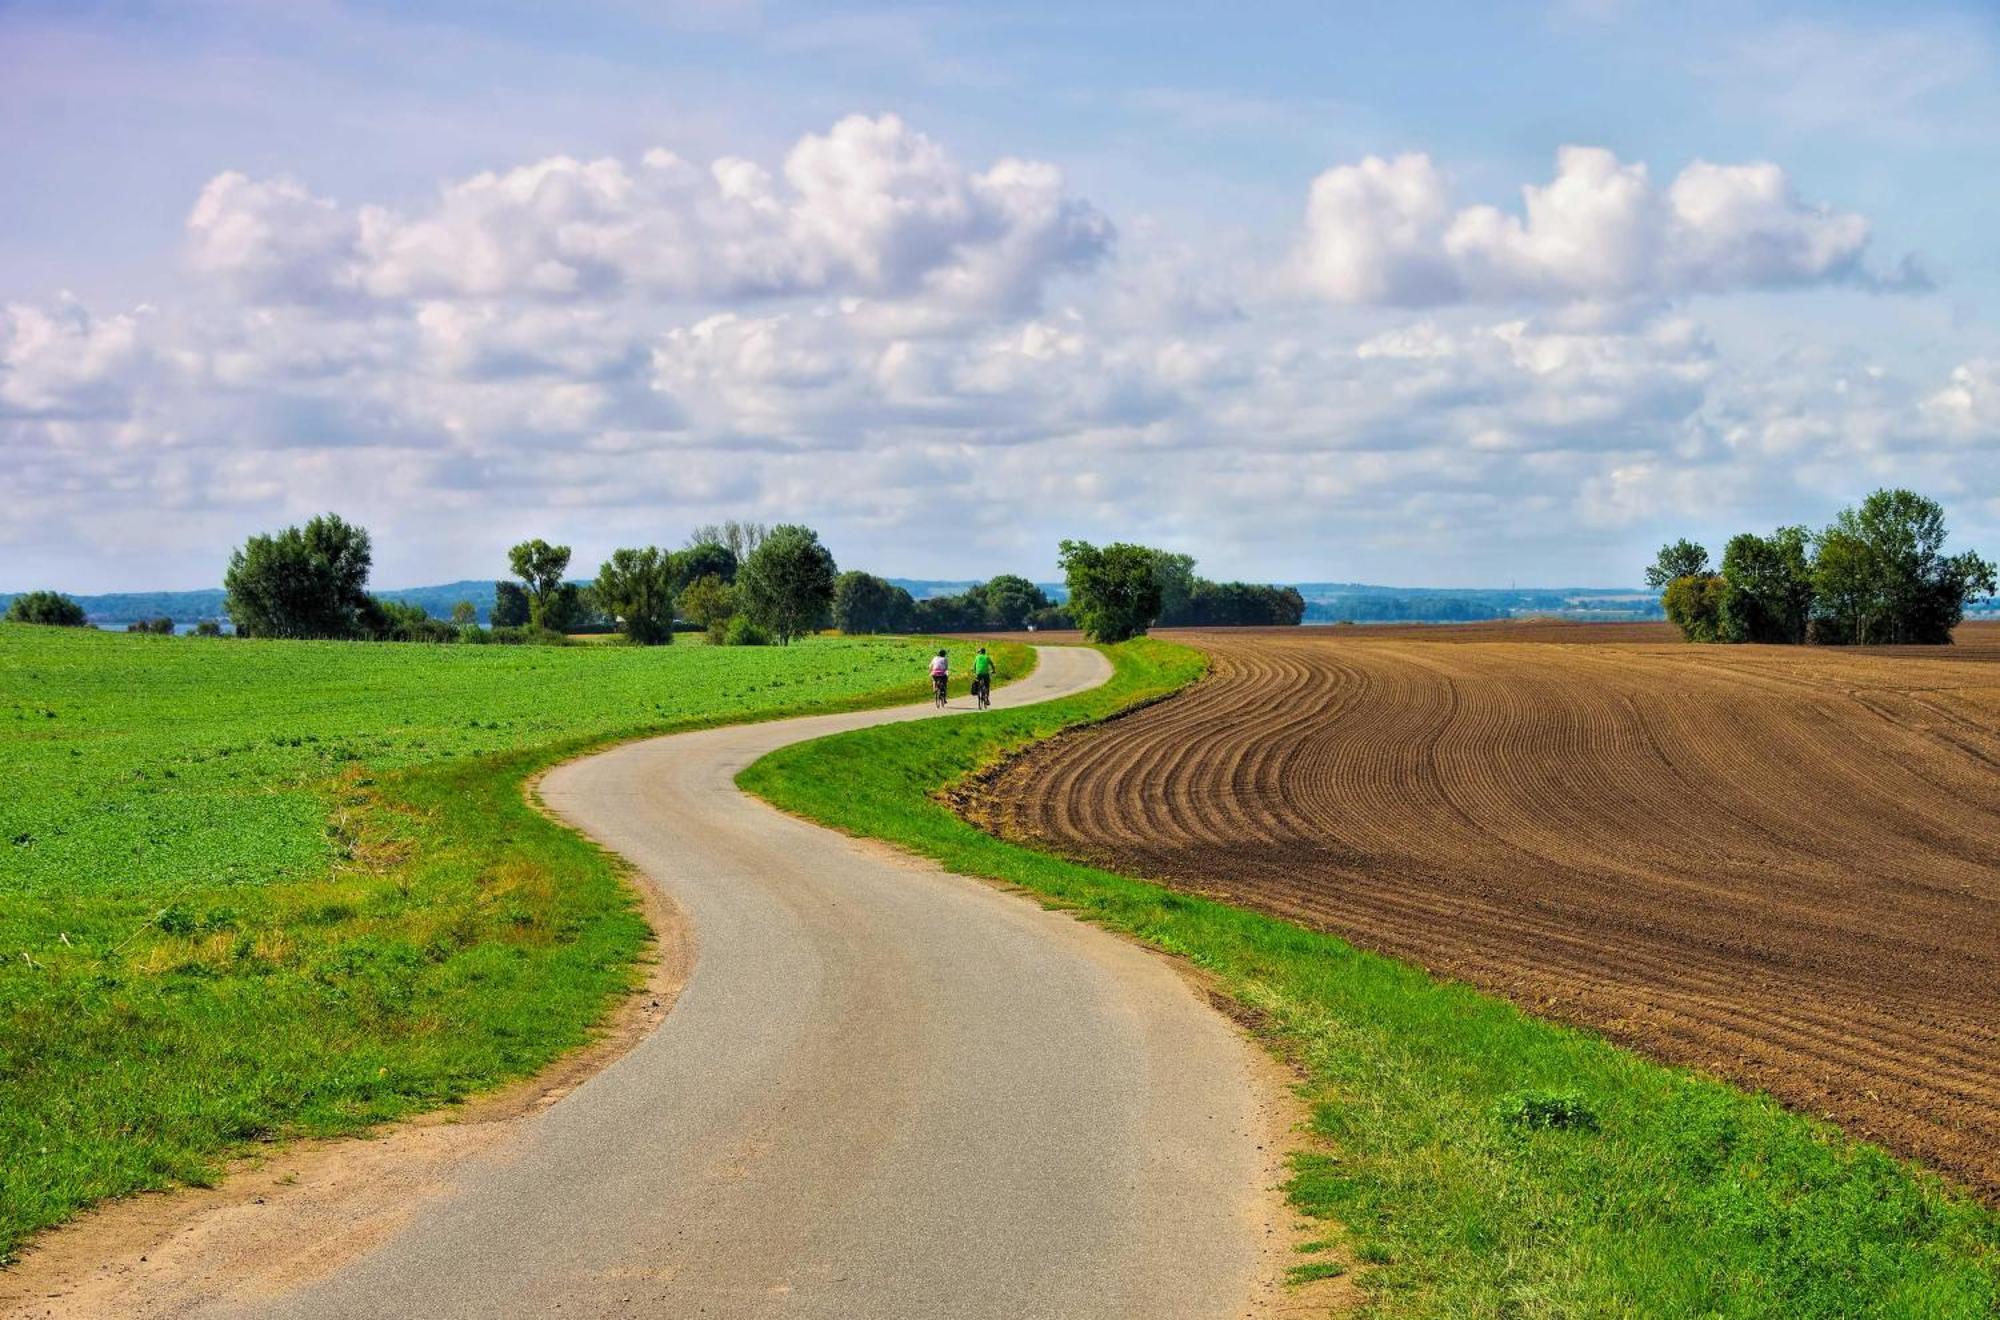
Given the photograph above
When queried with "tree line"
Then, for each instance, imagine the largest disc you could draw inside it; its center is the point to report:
(1877, 575)
(740, 583)
(864, 603)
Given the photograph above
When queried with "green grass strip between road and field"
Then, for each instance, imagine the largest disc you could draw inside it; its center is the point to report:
(253, 889)
(1471, 1161)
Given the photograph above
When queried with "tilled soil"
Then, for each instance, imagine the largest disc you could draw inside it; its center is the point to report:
(1778, 864)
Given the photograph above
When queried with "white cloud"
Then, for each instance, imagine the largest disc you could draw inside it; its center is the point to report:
(1387, 232)
(869, 207)
(59, 361)
(866, 335)
(1967, 409)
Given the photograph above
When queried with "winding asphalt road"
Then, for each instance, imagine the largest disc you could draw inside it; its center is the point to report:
(884, 1091)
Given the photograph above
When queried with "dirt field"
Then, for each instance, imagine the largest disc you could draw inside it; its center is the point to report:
(1778, 864)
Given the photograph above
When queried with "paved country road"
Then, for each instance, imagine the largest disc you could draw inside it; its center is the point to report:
(884, 1091)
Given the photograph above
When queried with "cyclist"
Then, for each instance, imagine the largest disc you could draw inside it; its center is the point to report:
(982, 678)
(940, 675)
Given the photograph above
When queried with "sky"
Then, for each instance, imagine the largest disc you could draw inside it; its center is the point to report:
(1407, 293)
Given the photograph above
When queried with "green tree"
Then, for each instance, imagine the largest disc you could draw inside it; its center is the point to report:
(710, 602)
(638, 587)
(1694, 605)
(703, 559)
(786, 585)
(1847, 595)
(1175, 574)
(385, 620)
(1009, 600)
(1114, 592)
(465, 614)
(309, 581)
(1684, 558)
(510, 605)
(1770, 587)
(46, 607)
(541, 566)
(208, 628)
(864, 603)
(1888, 579)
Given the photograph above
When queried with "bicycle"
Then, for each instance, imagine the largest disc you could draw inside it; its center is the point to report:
(982, 687)
(938, 684)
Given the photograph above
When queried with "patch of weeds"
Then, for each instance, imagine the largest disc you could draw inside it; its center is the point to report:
(1547, 1111)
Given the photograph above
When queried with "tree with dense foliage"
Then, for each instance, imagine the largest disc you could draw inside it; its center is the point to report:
(465, 614)
(864, 603)
(1888, 580)
(1238, 605)
(208, 628)
(46, 607)
(711, 603)
(510, 605)
(309, 581)
(786, 585)
(1770, 588)
(1175, 574)
(541, 566)
(637, 586)
(1684, 558)
(160, 627)
(1051, 618)
(947, 614)
(1114, 592)
(1694, 605)
(704, 559)
(1878, 575)
(1008, 600)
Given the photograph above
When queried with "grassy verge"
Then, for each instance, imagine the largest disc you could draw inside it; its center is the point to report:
(1470, 1160)
(257, 889)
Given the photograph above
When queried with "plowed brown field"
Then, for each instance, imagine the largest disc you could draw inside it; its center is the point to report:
(1778, 864)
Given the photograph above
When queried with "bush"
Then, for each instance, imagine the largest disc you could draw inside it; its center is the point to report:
(208, 628)
(1694, 605)
(46, 607)
(744, 632)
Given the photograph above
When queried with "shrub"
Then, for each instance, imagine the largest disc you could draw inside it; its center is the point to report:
(744, 632)
(1543, 1111)
(46, 607)
(1694, 605)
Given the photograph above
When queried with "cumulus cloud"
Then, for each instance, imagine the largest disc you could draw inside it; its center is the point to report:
(867, 335)
(870, 207)
(60, 361)
(1388, 232)
(1967, 409)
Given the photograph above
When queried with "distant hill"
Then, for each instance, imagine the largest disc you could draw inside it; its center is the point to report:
(926, 588)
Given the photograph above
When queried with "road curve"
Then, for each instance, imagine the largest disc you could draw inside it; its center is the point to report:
(884, 1091)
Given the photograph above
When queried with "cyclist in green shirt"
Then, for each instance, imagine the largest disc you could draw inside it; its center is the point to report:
(982, 678)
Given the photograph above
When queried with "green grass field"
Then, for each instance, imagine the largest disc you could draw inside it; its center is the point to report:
(1470, 1161)
(250, 889)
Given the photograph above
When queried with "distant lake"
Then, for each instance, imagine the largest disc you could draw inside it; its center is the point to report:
(181, 627)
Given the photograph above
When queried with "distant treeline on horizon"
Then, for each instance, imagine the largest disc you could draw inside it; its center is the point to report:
(1326, 602)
